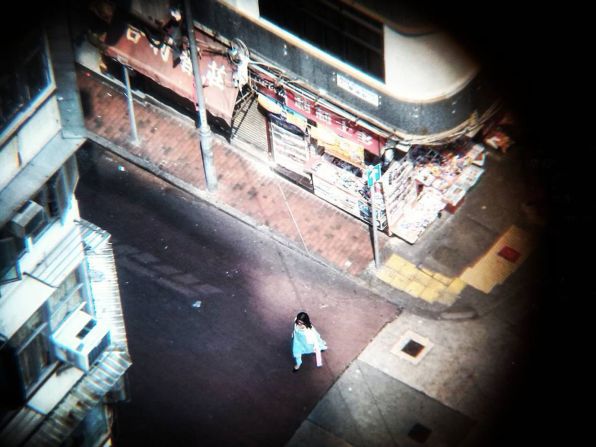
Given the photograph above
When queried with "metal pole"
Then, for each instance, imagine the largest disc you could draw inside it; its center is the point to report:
(204, 129)
(131, 109)
(374, 226)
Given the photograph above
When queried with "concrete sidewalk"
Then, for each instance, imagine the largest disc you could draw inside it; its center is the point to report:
(429, 272)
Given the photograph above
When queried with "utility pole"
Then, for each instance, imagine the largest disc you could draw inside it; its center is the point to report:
(204, 129)
(373, 193)
(373, 174)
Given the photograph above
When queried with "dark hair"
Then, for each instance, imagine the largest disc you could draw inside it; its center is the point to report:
(303, 316)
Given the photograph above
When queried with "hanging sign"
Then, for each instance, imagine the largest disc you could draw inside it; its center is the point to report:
(337, 146)
(357, 90)
(279, 109)
(134, 49)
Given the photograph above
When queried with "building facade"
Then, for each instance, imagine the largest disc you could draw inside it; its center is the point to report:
(63, 346)
(355, 101)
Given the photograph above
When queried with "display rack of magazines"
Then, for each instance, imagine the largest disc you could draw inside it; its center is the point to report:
(419, 215)
(342, 185)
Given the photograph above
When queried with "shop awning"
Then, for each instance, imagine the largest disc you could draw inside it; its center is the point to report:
(131, 47)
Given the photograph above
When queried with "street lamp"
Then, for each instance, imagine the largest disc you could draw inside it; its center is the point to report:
(205, 134)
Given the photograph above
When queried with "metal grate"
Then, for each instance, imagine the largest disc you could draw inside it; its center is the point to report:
(84, 396)
(413, 348)
(249, 124)
(99, 256)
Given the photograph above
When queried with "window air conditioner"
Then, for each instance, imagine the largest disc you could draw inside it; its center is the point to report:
(29, 217)
(80, 340)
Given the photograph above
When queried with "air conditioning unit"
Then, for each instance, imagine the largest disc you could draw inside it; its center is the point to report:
(29, 217)
(80, 340)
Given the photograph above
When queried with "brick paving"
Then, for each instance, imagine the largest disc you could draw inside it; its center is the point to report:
(170, 142)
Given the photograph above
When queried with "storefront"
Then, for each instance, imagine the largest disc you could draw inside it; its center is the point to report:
(333, 150)
(313, 140)
(335, 154)
(129, 46)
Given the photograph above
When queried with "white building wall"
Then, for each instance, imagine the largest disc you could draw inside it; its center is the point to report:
(418, 68)
(250, 7)
(40, 129)
(427, 67)
(20, 299)
(54, 389)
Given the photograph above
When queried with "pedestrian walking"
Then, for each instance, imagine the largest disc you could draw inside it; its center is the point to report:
(306, 340)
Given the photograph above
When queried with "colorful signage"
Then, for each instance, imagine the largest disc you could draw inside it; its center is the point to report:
(324, 117)
(132, 48)
(342, 126)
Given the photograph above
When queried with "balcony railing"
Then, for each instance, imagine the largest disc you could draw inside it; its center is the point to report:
(84, 396)
(111, 364)
(104, 281)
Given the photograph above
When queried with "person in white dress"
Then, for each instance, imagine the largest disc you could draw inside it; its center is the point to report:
(306, 340)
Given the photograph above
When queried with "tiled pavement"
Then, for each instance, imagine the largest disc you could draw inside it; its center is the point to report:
(170, 142)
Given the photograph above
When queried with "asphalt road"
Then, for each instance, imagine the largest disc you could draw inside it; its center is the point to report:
(209, 304)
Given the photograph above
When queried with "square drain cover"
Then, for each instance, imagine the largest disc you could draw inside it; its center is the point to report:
(412, 347)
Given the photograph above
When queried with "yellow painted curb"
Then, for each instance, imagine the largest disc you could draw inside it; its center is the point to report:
(409, 270)
(414, 288)
(420, 282)
(396, 262)
(427, 271)
(430, 295)
(456, 286)
(442, 278)
(447, 298)
(385, 274)
(422, 278)
(399, 282)
(492, 269)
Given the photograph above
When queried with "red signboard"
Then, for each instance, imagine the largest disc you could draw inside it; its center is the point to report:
(342, 126)
(306, 107)
(135, 50)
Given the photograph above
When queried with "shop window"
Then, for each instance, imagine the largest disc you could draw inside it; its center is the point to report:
(36, 72)
(24, 75)
(33, 351)
(11, 248)
(12, 98)
(333, 26)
